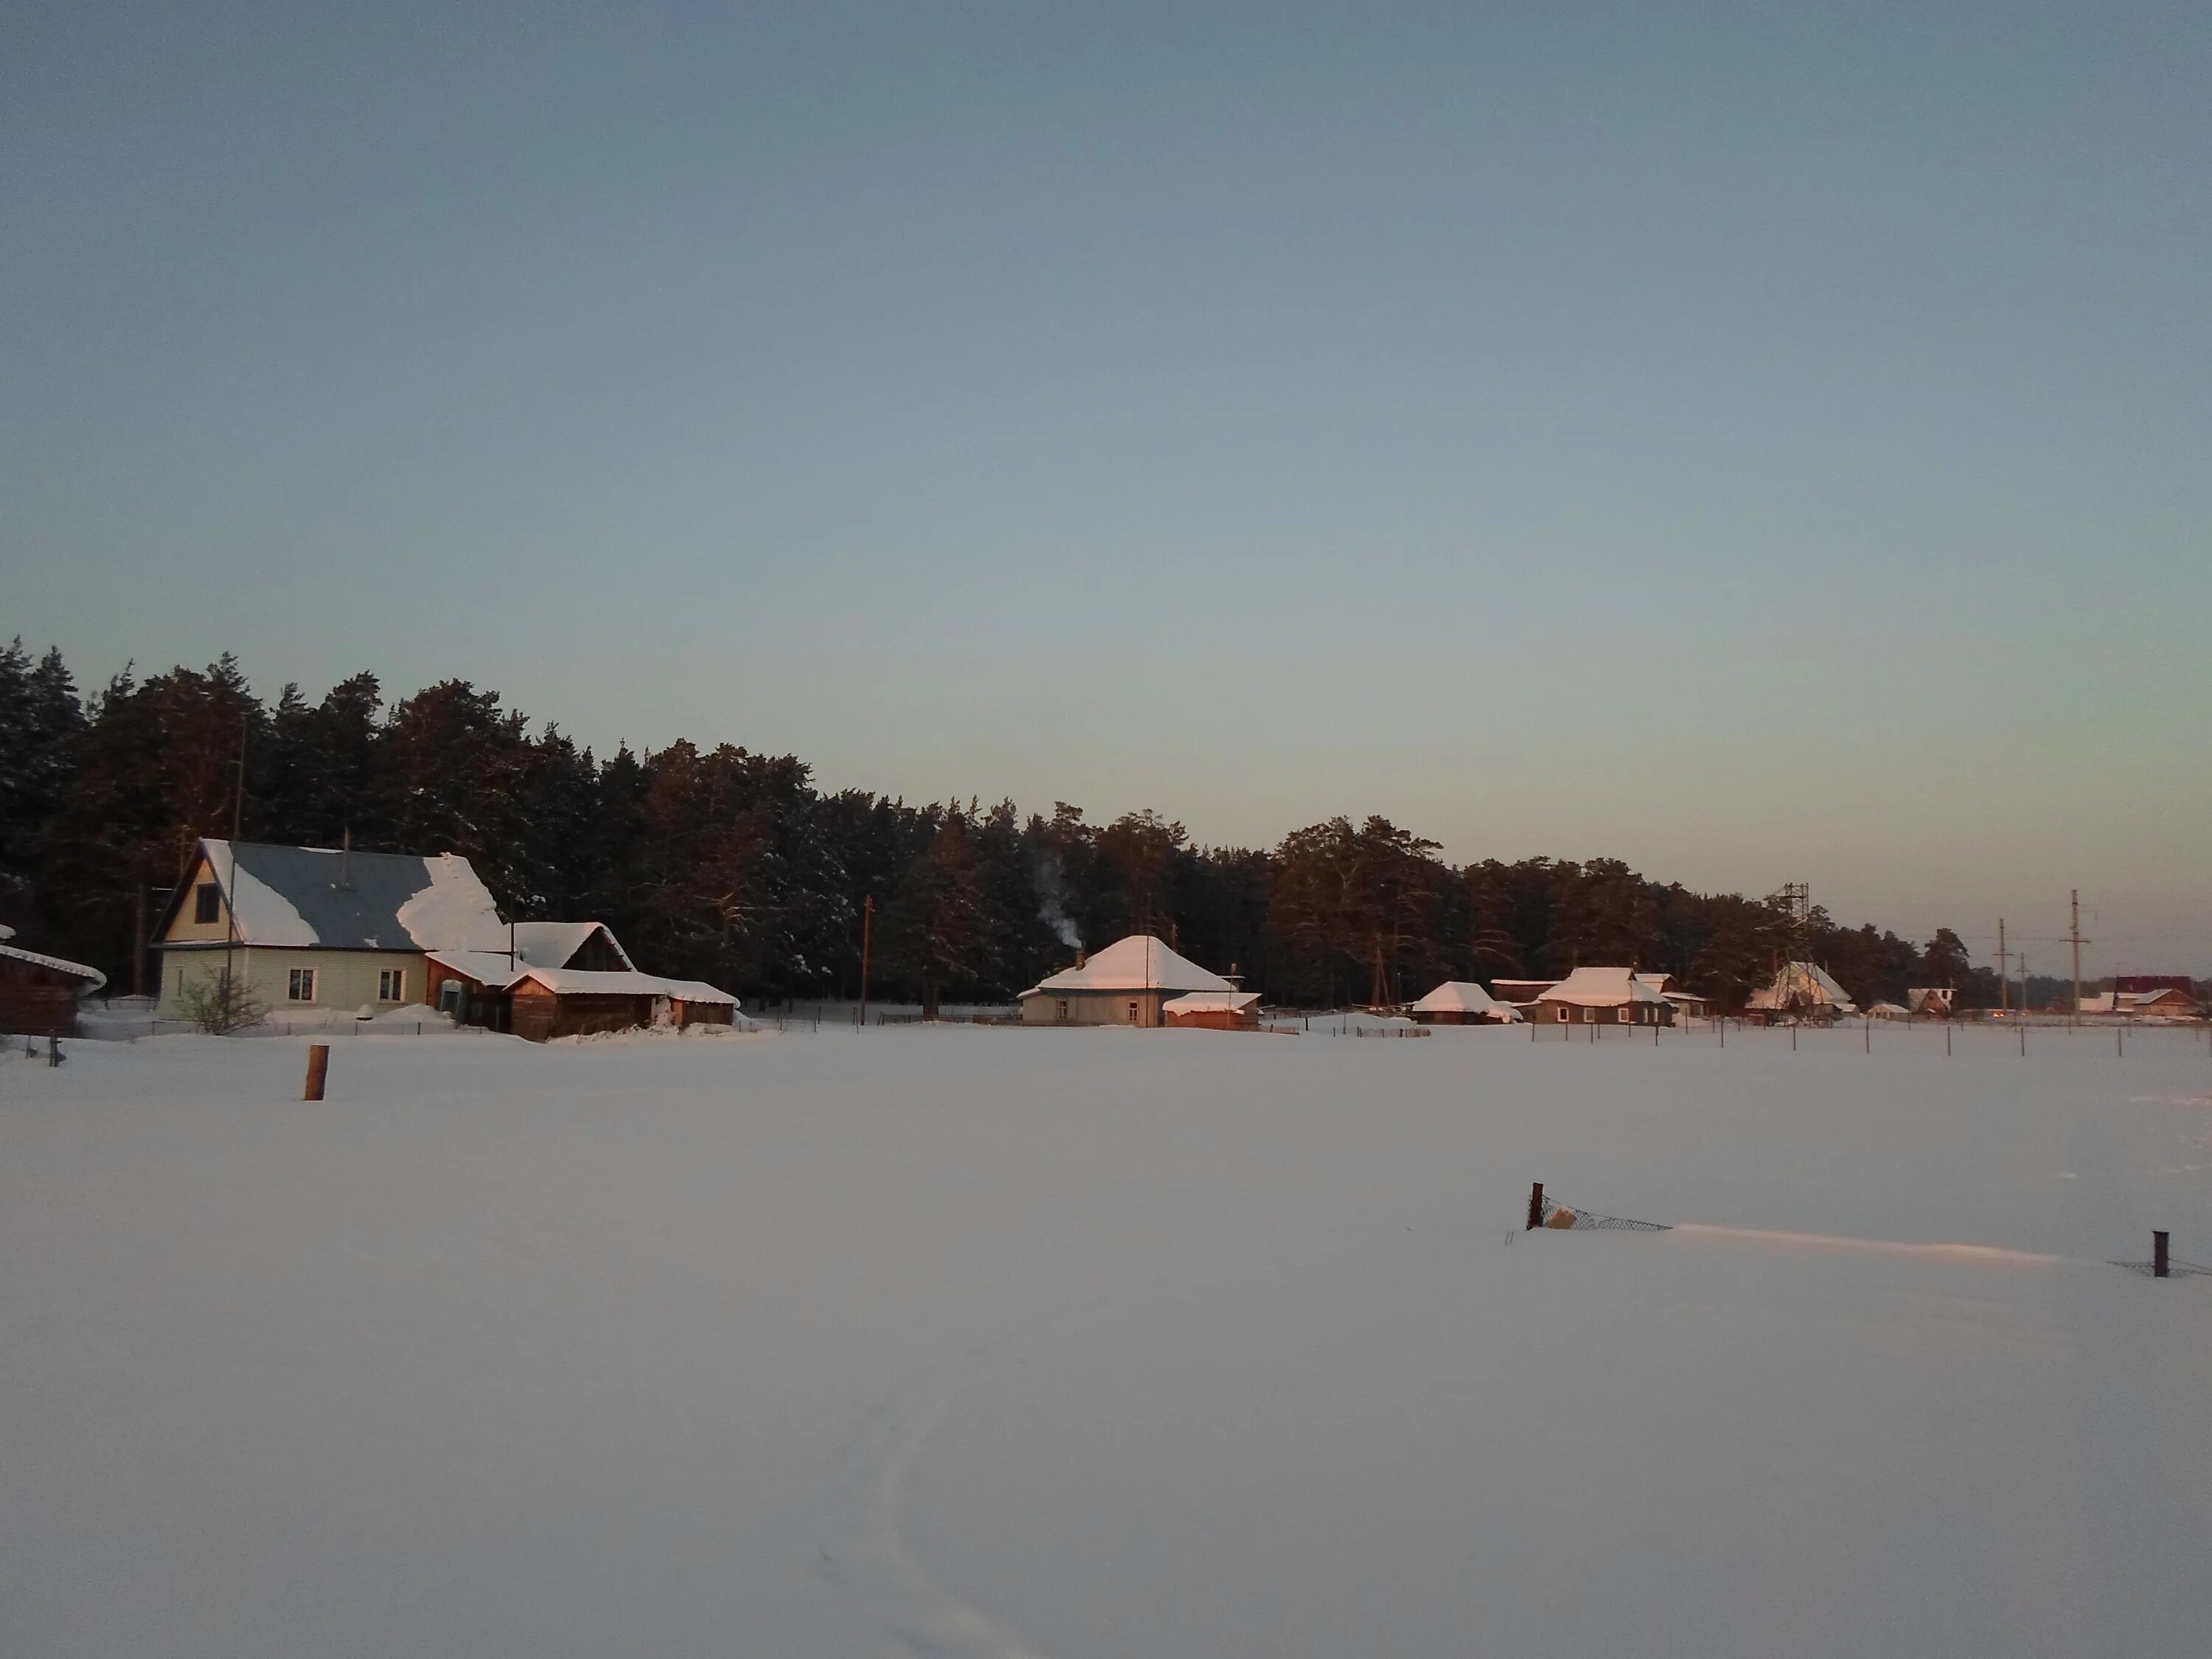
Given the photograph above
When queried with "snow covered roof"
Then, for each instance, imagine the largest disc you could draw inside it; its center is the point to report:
(94, 979)
(1203, 1002)
(317, 896)
(492, 970)
(1521, 990)
(1800, 985)
(554, 944)
(1602, 987)
(1138, 963)
(1887, 1010)
(1464, 996)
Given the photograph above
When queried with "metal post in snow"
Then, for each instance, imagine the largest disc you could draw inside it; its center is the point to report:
(1536, 1207)
(2159, 1267)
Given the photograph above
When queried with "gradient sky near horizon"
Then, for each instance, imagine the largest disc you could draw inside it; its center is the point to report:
(1761, 443)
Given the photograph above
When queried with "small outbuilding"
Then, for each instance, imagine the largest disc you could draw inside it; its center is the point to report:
(1128, 983)
(1687, 1004)
(1214, 1011)
(1604, 996)
(1463, 1002)
(39, 993)
(485, 987)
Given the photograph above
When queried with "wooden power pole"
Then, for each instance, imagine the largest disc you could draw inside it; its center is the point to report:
(2073, 937)
(2004, 979)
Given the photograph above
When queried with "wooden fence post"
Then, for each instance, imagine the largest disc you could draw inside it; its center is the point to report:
(2158, 1269)
(1536, 1207)
(319, 1066)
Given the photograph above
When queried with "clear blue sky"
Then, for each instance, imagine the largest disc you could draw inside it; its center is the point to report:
(1761, 442)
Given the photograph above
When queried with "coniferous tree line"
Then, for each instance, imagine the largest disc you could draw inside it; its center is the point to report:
(727, 865)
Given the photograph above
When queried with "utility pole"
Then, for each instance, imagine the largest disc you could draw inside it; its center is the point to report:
(2004, 980)
(867, 942)
(2073, 937)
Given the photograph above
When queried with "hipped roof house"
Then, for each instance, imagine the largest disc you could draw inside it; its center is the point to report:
(1127, 983)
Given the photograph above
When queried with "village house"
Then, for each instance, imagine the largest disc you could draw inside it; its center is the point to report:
(1127, 983)
(1604, 996)
(315, 931)
(38, 995)
(2161, 1002)
(1800, 991)
(1929, 1001)
(1462, 1002)
(321, 929)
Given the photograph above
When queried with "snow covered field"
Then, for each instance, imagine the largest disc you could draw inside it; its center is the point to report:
(1105, 1343)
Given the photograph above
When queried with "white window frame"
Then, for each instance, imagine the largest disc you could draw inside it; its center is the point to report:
(392, 985)
(1565, 1013)
(293, 982)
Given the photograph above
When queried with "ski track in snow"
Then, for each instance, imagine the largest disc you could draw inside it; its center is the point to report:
(878, 1559)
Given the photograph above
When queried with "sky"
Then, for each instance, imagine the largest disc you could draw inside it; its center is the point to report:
(1760, 443)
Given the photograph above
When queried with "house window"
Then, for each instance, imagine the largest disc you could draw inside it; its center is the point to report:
(392, 985)
(1132, 1013)
(1565, 1013)
(302, 985)
(1062, 1007)
(207, 903)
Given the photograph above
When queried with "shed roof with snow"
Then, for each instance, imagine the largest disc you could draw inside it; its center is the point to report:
(495, 971)
(1138, 963)
(91, 977)
(1602, 987)
(554, 944)
(1464, 996)
(1210, 1002)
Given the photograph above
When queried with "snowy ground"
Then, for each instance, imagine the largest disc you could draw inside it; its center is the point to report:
(1105, 1343)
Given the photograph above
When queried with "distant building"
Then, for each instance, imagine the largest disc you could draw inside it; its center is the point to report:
(1462, 1002)
(1929, 1001)
(1800, 990)
(1604, 996)
(38, 995)
(1127, 983)
(1687, 1003)
(2161, 1002)
(1890, 1011)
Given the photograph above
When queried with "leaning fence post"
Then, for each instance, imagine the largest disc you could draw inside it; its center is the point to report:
(1536, 1207)
(2158, 1261)
(319, 1066)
